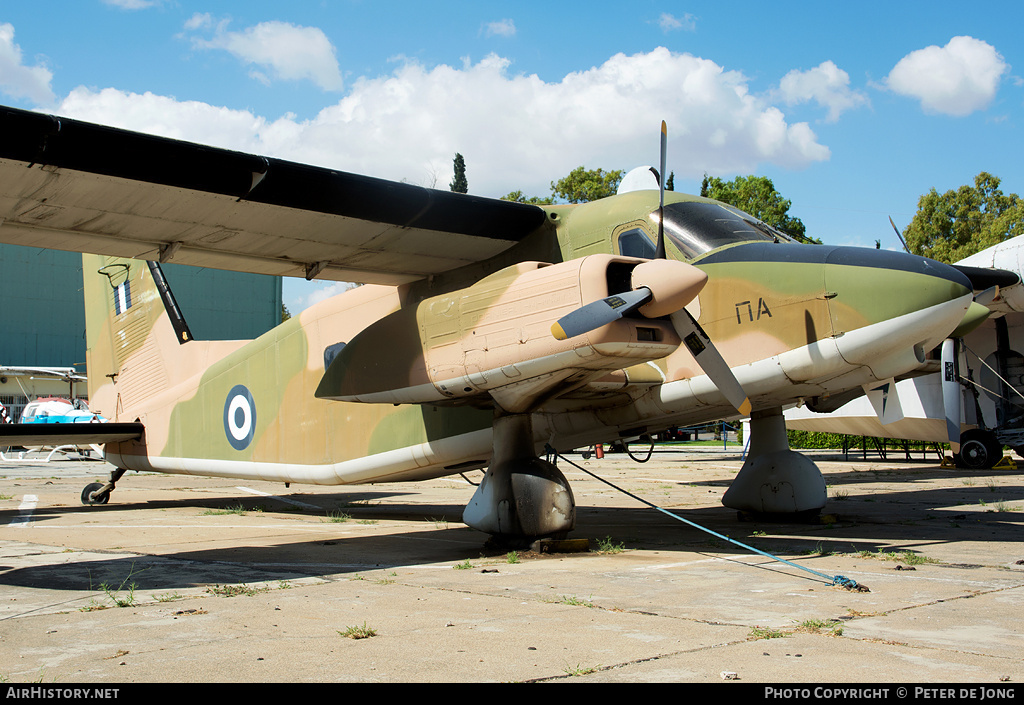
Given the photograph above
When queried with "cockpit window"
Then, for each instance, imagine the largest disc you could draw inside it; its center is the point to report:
(633, 243)
(698, 227)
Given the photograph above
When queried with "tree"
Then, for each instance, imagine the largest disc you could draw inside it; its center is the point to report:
(459, 183)
(757, 196)
(582, 185)
(670, 184)
(518, 197)
(956, 224)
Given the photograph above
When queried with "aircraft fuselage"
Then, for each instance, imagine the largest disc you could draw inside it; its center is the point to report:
(793, 321)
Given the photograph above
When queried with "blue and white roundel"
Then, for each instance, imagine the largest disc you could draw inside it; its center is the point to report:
(239, 417)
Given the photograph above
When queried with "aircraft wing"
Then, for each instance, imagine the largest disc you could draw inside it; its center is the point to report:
(71, 185)
(54, 434)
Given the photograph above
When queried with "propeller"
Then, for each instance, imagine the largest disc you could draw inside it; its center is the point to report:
(659, 252)
(899, 235)
(951, 392)
(661, 287)
(710, 360)
(599, 313)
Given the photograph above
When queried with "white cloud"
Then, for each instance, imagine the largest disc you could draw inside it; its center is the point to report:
(133, 4)
(515, 131)
(318, 292)
(669, 23)
(826, 84)
(18, 80)
(199, 20)
(289, 52)
(956, 79)
(161, 115)
(501, 28)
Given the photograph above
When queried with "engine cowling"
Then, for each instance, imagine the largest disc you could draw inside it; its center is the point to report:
(497, 333)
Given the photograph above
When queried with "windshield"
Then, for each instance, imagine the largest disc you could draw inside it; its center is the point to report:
(698, 227)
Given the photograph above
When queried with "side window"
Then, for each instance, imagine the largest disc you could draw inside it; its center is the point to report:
(331, 352)
(633, 243)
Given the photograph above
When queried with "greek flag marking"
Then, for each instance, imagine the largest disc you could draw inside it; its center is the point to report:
(122, 298)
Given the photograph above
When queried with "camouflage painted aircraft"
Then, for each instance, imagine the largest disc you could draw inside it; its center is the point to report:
(486, 330)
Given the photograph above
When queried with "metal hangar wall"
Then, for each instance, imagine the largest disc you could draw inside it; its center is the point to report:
(42, 315)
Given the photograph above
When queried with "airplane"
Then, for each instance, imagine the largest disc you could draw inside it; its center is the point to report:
(68, 375)
(57, 410)
(971, 395)
(486, 331)
(65, 374)
(48, 409)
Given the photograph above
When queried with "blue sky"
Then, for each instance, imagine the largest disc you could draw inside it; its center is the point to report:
(854, 110)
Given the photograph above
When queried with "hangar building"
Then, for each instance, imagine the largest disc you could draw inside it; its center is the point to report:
(42, 315)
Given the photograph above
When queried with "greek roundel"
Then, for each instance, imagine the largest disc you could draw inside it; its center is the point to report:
(239, 417)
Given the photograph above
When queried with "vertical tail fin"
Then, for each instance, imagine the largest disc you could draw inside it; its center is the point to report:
(132, 327)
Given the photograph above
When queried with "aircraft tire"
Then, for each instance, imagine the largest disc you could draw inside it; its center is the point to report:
(979, 450)
(98, 499)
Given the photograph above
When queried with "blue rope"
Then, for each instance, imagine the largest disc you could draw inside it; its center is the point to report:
(839, 580)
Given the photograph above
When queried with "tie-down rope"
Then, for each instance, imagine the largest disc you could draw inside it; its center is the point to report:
(839, 580)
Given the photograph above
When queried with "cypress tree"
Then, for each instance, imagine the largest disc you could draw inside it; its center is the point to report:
(459, 183)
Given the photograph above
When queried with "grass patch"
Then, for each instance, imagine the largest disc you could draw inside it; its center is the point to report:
(121, 596)
(831, 627)
(908, 557)
(819, 550)
(606, 545)
(233, 509)
(465, 565)
(358, 632)
(168, 597)
(766, 633)
(580, 670)
(235, 590)
(573, 600)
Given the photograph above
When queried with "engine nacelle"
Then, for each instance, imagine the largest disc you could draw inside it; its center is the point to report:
(497, 334)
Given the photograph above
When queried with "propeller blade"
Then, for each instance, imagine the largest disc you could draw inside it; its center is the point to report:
(599, 313)
(899, 235)
(951, 392)
(710, 360)
(660, 251)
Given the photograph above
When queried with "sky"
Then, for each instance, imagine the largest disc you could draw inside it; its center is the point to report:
(853, 110)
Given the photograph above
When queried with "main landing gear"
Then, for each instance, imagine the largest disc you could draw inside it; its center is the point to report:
(775, 479)
(99, 492)
(979, 450)
(522, 497)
